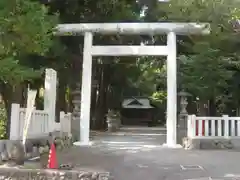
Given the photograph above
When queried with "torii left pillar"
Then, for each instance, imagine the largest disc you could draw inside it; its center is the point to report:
(86, 91)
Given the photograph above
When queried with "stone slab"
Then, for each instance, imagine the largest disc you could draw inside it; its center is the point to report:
(191, 167)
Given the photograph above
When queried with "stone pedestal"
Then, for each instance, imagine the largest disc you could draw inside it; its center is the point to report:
(75, 123)
(182, 118)
(113, 121)
(113, 124)
(182, 129)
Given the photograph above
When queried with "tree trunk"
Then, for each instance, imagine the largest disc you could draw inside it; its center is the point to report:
(102, 98)
(191, 107)
(93, 107)
(98, 121)
(212, 107)
(39, 103)
(70, 98)
(203, 109)
(61, 95)
(94, 91)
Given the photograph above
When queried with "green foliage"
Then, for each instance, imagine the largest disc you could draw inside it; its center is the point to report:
(159, 96)
(205, 71)
(12, 72)
(204, 74)
(207, 64)
(26, 28)
(205, 61)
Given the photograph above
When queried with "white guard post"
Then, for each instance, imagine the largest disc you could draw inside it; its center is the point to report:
(50, 89)
(171, 29)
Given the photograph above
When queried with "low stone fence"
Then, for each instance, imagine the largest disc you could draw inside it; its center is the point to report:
(15, 165)
(11, 149)
(45, 174)
(217, 143)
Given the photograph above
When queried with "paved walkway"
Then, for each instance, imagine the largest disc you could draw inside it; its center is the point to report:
(138, 155)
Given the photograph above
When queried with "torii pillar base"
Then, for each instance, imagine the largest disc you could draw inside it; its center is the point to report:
(173, 146)
(79, 143)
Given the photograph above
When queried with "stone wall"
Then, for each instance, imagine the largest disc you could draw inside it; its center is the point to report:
(11, 169)
(211, 143)
(45, 174)
(10, 149)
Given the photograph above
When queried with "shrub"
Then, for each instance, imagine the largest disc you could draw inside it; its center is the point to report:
(3, 120)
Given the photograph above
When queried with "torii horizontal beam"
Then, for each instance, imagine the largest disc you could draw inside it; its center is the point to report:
(133, 28)
(129, 51)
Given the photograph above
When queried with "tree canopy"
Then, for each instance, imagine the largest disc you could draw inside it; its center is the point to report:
(208, 66)
(26, 28)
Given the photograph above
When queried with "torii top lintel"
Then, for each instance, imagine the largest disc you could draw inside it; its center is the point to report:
(133, 28)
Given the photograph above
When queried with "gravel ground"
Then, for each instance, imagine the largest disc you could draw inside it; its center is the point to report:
(140, 156)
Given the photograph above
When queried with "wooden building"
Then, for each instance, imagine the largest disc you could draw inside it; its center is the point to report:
(137, 111)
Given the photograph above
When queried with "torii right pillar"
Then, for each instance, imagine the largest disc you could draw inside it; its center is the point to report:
(171, 91)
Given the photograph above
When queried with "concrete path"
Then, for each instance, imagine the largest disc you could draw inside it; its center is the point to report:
(131, 139)
(138, 155)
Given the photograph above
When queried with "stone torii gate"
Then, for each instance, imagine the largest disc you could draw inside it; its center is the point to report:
(170, 50)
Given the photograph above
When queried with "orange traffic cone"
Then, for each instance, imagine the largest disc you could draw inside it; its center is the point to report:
(52, 158)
